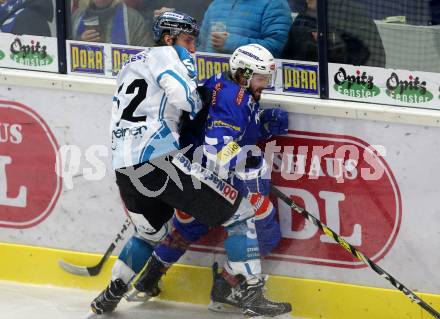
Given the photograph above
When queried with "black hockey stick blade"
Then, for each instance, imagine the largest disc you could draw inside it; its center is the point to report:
(356, 253)
(96, 269)
(87, 271)
(75, 269)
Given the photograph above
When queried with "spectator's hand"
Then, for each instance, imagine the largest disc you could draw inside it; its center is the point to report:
(91, 36)
(315, 36)
(218, 40)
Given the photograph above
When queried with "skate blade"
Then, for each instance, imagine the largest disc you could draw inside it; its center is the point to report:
(283, 316)
(223, 308)
(91, 315)
(135, 295)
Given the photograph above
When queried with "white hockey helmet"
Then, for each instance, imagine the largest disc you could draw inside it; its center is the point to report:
(253, 58)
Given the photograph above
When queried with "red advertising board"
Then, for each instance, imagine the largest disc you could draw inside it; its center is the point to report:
(29, 186)
(344, 182)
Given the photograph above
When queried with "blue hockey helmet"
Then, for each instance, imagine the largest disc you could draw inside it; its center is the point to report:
(175, 23)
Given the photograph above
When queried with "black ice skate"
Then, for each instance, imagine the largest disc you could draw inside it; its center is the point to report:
(224, 296)
(109, 298)
(146, 285)
(255, 305)
(244, 298)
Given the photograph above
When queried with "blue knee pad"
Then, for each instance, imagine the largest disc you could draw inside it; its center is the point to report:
(135, 253)
(269, 233)
(241, 244)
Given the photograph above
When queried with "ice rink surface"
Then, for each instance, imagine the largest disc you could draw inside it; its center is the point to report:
(20, 301)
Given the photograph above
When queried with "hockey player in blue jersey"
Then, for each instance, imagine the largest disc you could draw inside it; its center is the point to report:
(153, 89)
(234, 122)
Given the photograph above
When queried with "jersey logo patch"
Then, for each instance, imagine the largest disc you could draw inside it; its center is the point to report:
(189, 64)
(262, 205)
(187, 60)
(217, 88)
(240, 96)
(219, 123)
(228, 152)
(207, 177)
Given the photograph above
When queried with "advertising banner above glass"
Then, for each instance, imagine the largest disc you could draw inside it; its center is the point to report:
(29, 52)
(28, 35)
(105, 60)
(384, 86)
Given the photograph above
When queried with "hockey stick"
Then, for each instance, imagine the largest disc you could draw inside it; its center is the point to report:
(356, 253)
(95, 270)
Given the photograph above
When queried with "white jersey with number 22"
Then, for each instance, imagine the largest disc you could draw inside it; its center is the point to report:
(153, 88)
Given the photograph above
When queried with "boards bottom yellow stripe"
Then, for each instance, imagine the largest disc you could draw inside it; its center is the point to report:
(310, 298)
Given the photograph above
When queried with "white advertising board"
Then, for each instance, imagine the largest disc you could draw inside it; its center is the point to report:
(29, 52)
(375, 183)
(384, 86)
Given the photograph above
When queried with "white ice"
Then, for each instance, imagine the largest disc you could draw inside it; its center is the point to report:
(23, 301)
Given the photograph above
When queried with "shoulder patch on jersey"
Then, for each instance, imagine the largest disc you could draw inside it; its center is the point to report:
(240, 96)
(187, 60)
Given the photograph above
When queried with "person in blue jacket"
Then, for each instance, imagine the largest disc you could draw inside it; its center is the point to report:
(229, 24)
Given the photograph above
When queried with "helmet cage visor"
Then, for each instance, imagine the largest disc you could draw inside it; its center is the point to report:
(269, 79)
(268, 74)
(177, 27)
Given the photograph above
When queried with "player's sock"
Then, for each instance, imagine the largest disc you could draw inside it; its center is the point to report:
(242, 249)
(172, 248)
(186, 230)
(135, 254)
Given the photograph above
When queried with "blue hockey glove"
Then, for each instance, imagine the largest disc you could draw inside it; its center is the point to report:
(274, 122)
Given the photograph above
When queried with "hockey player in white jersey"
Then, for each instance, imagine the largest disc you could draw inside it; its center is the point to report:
(154, 177)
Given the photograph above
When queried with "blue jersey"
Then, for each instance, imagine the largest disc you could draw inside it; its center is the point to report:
(233, 121)
(232, 117)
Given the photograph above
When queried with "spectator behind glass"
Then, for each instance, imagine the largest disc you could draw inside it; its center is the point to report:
(153, 8)
(109, 21)
(434, 7)
(297, 5)
(353, 37)
(26, 17)
(195, 8)
(229, 24)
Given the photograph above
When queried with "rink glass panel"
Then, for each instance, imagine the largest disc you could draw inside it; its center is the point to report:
(370, 40)
(384, 52)
(28, 35)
